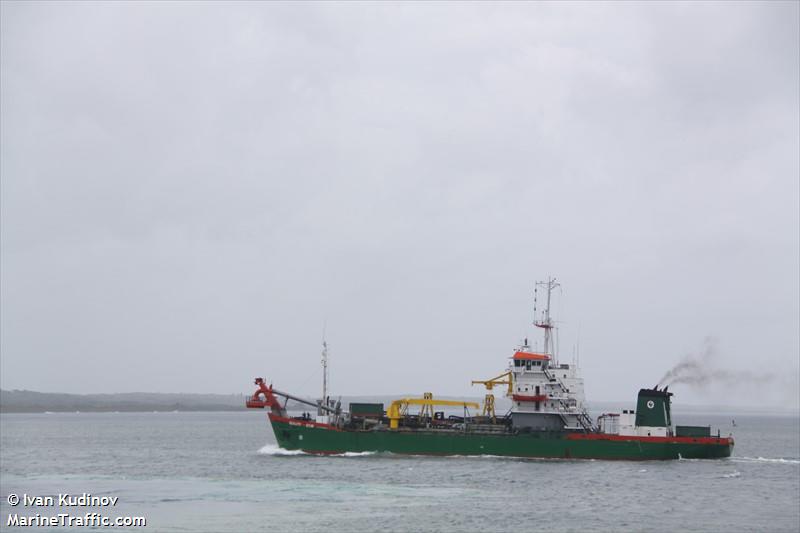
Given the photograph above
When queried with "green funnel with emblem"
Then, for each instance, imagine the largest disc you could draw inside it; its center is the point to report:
(653, 408)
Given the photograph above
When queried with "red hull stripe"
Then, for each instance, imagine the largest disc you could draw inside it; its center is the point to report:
(681, 440)
(303, 423)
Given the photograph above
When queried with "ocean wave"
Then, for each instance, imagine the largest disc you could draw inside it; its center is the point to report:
(735, 473)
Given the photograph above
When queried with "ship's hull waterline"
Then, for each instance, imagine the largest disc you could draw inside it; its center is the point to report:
(323, 439)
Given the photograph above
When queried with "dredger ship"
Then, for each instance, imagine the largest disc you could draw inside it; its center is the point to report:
(547, 419)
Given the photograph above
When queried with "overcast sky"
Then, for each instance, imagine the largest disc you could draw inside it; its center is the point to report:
(191, 191)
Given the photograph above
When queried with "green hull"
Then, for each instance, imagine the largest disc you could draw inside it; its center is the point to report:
(313, 438)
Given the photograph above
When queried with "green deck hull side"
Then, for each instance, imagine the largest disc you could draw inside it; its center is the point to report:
(538, 444)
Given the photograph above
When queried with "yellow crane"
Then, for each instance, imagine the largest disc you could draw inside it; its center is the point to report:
(398, 408)
(488, 401)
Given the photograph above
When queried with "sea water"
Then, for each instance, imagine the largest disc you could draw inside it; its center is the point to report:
(223, 472)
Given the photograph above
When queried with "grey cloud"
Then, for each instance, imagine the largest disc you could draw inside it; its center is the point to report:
(190, 190)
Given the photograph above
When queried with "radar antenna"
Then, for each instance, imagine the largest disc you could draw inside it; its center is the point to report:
(545, 322)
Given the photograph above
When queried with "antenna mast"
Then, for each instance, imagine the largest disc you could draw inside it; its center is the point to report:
(324, 369)
(545, 322)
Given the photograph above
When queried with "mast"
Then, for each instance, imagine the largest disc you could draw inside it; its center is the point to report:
(324, 371)
(546, 322)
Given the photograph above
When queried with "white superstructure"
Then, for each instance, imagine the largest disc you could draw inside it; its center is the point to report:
(546, 394)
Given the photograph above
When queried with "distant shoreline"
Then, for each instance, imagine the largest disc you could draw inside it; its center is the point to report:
(133, 409)
(24, 401)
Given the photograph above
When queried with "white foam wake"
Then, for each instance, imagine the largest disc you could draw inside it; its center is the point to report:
(277, 451)
(766, 460)
(274, 449)
(735, 473)
(353, 454)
